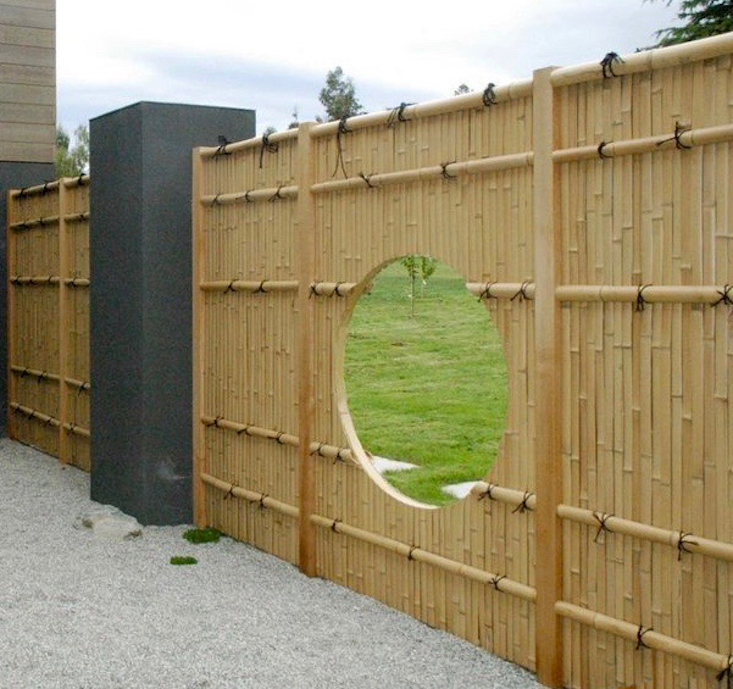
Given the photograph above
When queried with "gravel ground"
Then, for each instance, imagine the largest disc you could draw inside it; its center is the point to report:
(78, 610)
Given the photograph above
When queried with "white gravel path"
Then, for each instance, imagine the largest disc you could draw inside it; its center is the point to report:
(79, 611)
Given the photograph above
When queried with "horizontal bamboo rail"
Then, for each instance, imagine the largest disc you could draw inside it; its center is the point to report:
(647, 60)
(644, 636)
(250, 196)
(502, 290)
(447, 171)
(515, 498)
(332, 289)
(34, 279)
(681, 540)
(254, 142)
(69, 183)
(249, 286)
(43, 221)
(34, 414)
(500, 583)
(45, 375)
(262, 498)
(320, 449)
(662, 294)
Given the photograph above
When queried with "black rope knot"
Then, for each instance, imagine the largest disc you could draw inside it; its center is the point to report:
(277, 195)
(339, 456)
(261, 288)
(247, 197)
(601, 154)
(343, 129)
(489, 95)
(244, 430)
(488, 493)
(607, 63)
(279, 438)
(43, 376)
(313, 290)
(601, 518)
(215, 200)
(522, 293)
(262, 501)
(640, 636)
(413, 548)
(317, 451)
(486, 292)
(640, 301)
(683, 542)
(398, 114)
(496, 580)
(727, 672)
(524, 505)
(679, 130)
(214, 423)
(222, 149)
(24, 372)
(336, 290)
(268, 146)
(367, 179)
(333, 525)
(725, 297)
(444, 170)
(230, 492)
(230, 287)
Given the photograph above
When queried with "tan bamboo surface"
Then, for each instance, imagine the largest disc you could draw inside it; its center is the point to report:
(48, 318)
(591, 217)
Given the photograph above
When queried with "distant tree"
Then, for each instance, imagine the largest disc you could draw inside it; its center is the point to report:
(72, 160)
(701, 18)
(422, 266)
(338, 96)
(295, 122)
(462, 88)
(269, 130)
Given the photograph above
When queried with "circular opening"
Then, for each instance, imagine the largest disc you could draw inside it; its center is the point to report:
(426, 380)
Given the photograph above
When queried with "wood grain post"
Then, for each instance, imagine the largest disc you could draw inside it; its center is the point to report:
(198, 247)
(306, 253)
(63, 327)
(10, 253)
(549, 640)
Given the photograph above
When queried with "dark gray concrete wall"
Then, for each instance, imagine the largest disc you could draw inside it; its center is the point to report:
(12, 176)
(141, 337)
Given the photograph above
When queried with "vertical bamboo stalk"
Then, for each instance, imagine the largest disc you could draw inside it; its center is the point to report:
(63, 324)
(306, 252)
(199, 440)
(10, 243)
(549, 641)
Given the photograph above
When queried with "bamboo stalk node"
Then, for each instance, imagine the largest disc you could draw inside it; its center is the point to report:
(601, 518)
(683, 542)
(488, 98)
(640, 637)
(607, 63)
(679, 130)
(524, 505)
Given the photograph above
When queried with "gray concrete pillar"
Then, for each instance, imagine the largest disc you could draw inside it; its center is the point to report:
(141, 339)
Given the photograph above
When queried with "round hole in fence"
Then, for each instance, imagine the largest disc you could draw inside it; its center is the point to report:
(425, 380)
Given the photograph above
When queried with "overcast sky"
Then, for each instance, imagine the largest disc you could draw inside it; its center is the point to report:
(273, 57)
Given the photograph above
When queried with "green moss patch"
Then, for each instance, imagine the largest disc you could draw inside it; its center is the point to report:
(183, 560)
(207, 535)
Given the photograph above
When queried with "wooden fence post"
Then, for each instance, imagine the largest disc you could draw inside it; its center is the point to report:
(549, 633)
(10, 252)
(63, 323)
(306, 251)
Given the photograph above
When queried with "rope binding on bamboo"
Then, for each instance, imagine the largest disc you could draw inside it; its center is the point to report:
(268, 146)
(333, 525)
(601, 518)
(601, 154)
(230, 492)
(318, 450)
(277, 195)
(486, 293)
(398, 114)
(607, 63)
(489, 95)
(343, 129)
(640, 637)
(488, 493)
(522, 292)
(444, 170)
(410, 552)
(367, 179)
(262, 501)
(222, 149)
(640, 301)
(725, 297)
(683, 543)
(679, 130)
(727, 672)
(523, 506)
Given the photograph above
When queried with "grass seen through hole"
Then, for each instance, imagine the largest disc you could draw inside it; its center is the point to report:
(426, 382)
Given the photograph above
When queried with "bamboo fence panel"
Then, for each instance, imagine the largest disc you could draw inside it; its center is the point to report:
(617, 532)
(48, 318)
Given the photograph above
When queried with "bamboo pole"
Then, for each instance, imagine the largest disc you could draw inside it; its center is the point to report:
(79, 181)
(510, 496)
(252, 496)
(43, 221)
(547, 262)
(685, 138)
(63, 325)
(680, 540)
(12, 326)
(37, 373)
(245, 144)
(263, 286)
(33, 414)
(411, 552)
(643, 636)
(648, 60)
(307, 558)
(453, 170)
(201, 515)
(502, 290)
(34, 190)
(34, 279)
(660, 294)
(251, 196)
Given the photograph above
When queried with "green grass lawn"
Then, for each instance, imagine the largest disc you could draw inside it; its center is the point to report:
(429, 388)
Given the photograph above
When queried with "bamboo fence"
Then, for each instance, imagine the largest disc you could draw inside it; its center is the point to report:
(48, 318)
(591, 210)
